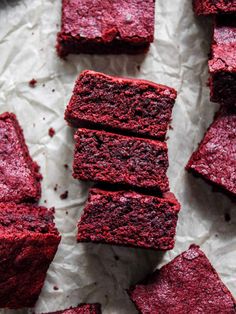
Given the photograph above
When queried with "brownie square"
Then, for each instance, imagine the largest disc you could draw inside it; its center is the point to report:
(19, 175)
(188, 284)
(127, 218)
(116, 159)
(117, 26)
(214, 160)
(28, 243)
(128, 105)
(222, 64)
(206, 7)
(82, 309)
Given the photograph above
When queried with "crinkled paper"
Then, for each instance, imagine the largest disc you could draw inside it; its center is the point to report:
(178, 58)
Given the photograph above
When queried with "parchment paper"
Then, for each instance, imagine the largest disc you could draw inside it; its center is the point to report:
(178, 58)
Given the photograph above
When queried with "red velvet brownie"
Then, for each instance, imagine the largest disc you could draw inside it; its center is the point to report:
(117, 26)
(19, 176)
(131, 219)
(116, 159)
(206, 7)
(222, 65)
(215, 158)
(127, 105)
(28, 243)
(188, 284)
(82, 309)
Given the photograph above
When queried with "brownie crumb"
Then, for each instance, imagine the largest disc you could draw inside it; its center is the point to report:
(53, 90)
(45, 201)
(43, 85)
(55, 288)
(51, 132)
(32, 83)
(55, 187)
(138, 67)
(64, 195)
(227, 217)
(116, 257)
(171, 127)
(66, 166)
(67, 212)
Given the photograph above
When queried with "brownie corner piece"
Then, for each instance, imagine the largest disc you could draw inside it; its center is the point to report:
(19, 174)
(187, 284)
(110, 158)
(28, 243)
(131, 106)
(94, 308)
(222, 64)
(209, 7)
(131, 219)
(114, 27)
(214, 159)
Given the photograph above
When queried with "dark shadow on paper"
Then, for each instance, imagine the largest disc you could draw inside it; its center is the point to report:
(8, 3)
(212, 205)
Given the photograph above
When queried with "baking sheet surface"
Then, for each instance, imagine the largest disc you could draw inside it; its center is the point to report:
(178, 58)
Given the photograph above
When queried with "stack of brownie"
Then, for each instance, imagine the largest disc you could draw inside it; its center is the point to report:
(121, 147)
(215, 158)
(28, 236)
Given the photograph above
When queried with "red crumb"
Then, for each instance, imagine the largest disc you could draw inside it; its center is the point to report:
(32, 83)
(64, 195)
(51, 132)
(227, 217)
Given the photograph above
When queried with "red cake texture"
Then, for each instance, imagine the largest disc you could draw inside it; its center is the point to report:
(19, 176)
(128, 218)
(116, 159)
(82, 309)
(127, 105)
(215, 160)
(206, 7)
(188, 284)
(222, 64)
(28, 243)
(117, 26)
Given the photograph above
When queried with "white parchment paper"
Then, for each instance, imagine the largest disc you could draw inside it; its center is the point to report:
(178, 58)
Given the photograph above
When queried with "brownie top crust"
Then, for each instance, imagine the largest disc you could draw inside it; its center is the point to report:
(223, 51)
(109, 19)
(19, 175)
(188, 284)
(215, 158)
(207, 7)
